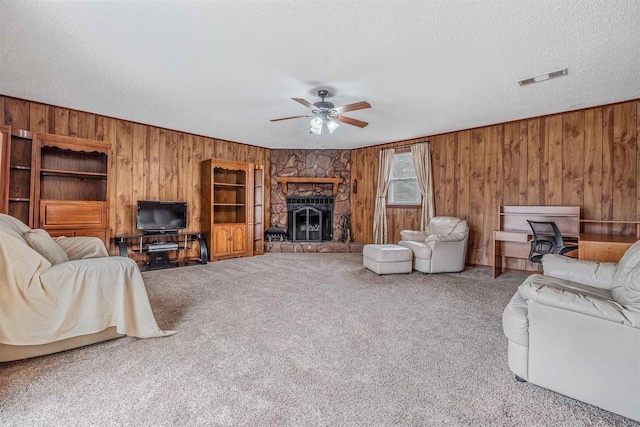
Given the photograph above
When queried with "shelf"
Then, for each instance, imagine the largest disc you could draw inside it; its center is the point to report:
(224, 184)
(76, 174)
(145, 251)
(18, 199)
(20, 168)
(228, 204)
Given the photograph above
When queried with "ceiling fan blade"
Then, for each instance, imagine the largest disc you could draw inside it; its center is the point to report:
(305, 103)
(350, 121)
(287, 118)
(352, 107)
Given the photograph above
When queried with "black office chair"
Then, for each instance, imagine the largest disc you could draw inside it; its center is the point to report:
(547, 239)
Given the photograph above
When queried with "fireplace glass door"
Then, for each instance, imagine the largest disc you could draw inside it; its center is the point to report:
(307, 224)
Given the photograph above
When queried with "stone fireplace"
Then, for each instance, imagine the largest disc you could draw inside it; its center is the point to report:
(317, 164)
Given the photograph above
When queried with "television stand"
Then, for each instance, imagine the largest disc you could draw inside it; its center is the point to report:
(158, 260)
(157, 247)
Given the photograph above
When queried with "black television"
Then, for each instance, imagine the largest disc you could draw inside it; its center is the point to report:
(161, 217)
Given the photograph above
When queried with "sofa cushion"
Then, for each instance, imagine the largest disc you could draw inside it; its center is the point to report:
(626, 286)
(82, 247)
(420, 249)
(12, 225)
(42, 243)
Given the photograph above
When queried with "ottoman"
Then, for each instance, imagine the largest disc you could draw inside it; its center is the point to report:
(387, 259)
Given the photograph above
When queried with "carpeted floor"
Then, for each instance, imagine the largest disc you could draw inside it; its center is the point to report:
(298, 340)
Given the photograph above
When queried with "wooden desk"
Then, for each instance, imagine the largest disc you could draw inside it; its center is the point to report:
(603, 247)
(513, 235)
(513, 244)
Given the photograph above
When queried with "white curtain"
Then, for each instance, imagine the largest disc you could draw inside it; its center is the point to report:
(421, 154)
(380, 215)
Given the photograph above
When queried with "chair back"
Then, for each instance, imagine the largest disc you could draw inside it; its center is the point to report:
(547, 239)
(446, 225)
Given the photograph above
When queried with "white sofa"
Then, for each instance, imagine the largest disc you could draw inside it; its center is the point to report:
(441, 248)
(61, 294)
(576, 330)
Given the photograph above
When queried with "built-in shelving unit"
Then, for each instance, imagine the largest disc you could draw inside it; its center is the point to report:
(230, 214)
(257, 214)
(55, 182)
(16, 161)
(72, 186)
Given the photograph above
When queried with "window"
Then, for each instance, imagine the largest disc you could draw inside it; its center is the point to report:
(403, 184)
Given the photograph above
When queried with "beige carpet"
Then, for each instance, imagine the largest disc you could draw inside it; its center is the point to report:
(298, 340)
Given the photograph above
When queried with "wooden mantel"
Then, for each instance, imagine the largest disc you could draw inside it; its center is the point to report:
(284, 180)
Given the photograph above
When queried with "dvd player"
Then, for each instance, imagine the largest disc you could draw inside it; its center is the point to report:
(161, 246)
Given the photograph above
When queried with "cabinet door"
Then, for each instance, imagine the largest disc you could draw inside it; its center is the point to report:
(238, 240)
(221, 241)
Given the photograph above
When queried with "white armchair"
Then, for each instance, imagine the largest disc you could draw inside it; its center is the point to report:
(576, 330)
(441, 248)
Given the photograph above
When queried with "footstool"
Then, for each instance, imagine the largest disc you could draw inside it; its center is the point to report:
(387, 259)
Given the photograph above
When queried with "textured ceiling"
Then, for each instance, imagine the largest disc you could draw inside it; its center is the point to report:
(225, 68)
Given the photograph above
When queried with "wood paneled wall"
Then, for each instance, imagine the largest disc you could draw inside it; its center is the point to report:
(147, 162)
(589, 158)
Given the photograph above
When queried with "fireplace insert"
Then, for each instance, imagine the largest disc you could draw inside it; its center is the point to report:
(310, 219)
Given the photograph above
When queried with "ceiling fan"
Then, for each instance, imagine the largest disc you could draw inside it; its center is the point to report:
(326, 115)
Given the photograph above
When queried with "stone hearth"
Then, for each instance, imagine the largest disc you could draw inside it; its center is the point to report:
(314, 247)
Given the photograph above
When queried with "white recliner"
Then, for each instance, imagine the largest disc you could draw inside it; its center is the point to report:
(576, 330)
(441, 248)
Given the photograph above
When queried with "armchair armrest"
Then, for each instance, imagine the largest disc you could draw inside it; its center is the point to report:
(590, 273)
(82, 247)
(553, 293)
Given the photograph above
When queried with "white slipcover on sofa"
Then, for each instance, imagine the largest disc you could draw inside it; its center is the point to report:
(65, 293)
(576, 330)
(441, 248)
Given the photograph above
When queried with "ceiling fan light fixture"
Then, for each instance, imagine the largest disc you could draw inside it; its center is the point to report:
(332, 125)
(316, 126)
(326, 116)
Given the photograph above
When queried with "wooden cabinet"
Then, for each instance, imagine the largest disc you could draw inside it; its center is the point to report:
(602, 247)
(72, 186)
(16, 173)
(229, 240)
(57, 183)
(73, 218)
(232, 208)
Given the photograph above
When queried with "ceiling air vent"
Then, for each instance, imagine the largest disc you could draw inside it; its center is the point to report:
(543, 77)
